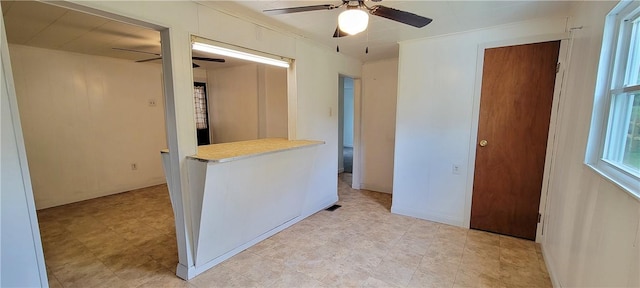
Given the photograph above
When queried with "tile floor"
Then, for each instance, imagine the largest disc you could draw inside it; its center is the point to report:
(128, 240)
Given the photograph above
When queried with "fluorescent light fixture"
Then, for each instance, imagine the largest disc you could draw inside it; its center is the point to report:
(240, 55)
(353, 21)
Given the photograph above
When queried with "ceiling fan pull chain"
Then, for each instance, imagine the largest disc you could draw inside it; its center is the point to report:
(337, 37)
(366, 50)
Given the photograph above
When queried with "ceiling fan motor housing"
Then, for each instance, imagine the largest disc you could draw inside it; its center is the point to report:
(355, 5)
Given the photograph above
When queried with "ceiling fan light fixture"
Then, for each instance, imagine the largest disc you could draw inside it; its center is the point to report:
(353, 21)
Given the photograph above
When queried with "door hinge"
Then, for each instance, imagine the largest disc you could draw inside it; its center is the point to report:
(539, 217)
(558, 67)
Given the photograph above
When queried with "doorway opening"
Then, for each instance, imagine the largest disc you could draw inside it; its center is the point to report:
(346, 124)
(349, 93)
(93, 127)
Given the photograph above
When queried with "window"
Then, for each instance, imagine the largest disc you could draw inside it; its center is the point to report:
(200, 100)
(618, 111)
(202, 114)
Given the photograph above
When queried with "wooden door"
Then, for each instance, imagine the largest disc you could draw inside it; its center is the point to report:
(515, 109)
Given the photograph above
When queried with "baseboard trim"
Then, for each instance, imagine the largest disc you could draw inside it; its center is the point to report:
(44, 204)
(427, 216)
(206, 266)
(326, 203)
(190, 272)
(185, 272)
(375, 188)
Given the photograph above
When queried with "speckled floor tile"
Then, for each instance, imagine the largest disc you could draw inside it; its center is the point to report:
(128, 240)
(373, 282)
(431, 280)
(222, 276)
(474, 279)
(394, 272)
(514, 276)
(292, 278)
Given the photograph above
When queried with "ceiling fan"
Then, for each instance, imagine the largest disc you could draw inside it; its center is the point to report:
(359, 6)
(159, 56)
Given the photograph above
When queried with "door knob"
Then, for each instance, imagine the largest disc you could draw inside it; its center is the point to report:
(483, 143)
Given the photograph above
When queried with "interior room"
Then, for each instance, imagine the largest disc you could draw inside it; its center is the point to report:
(247, 101)
(113, 124)
(244, 99)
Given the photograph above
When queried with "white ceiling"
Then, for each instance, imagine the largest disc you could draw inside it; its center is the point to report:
(38, 24)
(47, 26)
(382, 34)
(42, 25)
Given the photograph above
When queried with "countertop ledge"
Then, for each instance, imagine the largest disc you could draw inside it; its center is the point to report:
(225, 152)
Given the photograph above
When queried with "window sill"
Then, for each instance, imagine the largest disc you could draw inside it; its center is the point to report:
(632, 192)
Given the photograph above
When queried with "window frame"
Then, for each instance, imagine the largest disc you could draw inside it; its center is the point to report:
(610, 82)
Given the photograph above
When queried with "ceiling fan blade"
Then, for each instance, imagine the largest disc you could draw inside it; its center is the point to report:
(208, 59)
(400, 16)
(137, 51)
(195, 65)
(339, 33)
(150, 59)
(300, 9)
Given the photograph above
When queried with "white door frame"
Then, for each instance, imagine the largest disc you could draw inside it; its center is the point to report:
(175, 82)
(356, 175)
(6, 78)
(551, 142)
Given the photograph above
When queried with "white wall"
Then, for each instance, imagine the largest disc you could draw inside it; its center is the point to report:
(275, 113)
(592, 225)
(380, 86)
(200, 75)
(85, 120)
(21, 256)
(436, 90)
(317, 102)
(247, 102)
(233, 103)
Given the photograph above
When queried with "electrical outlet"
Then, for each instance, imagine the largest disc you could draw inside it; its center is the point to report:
(455, 169)
(134, 166)
(152, 102)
